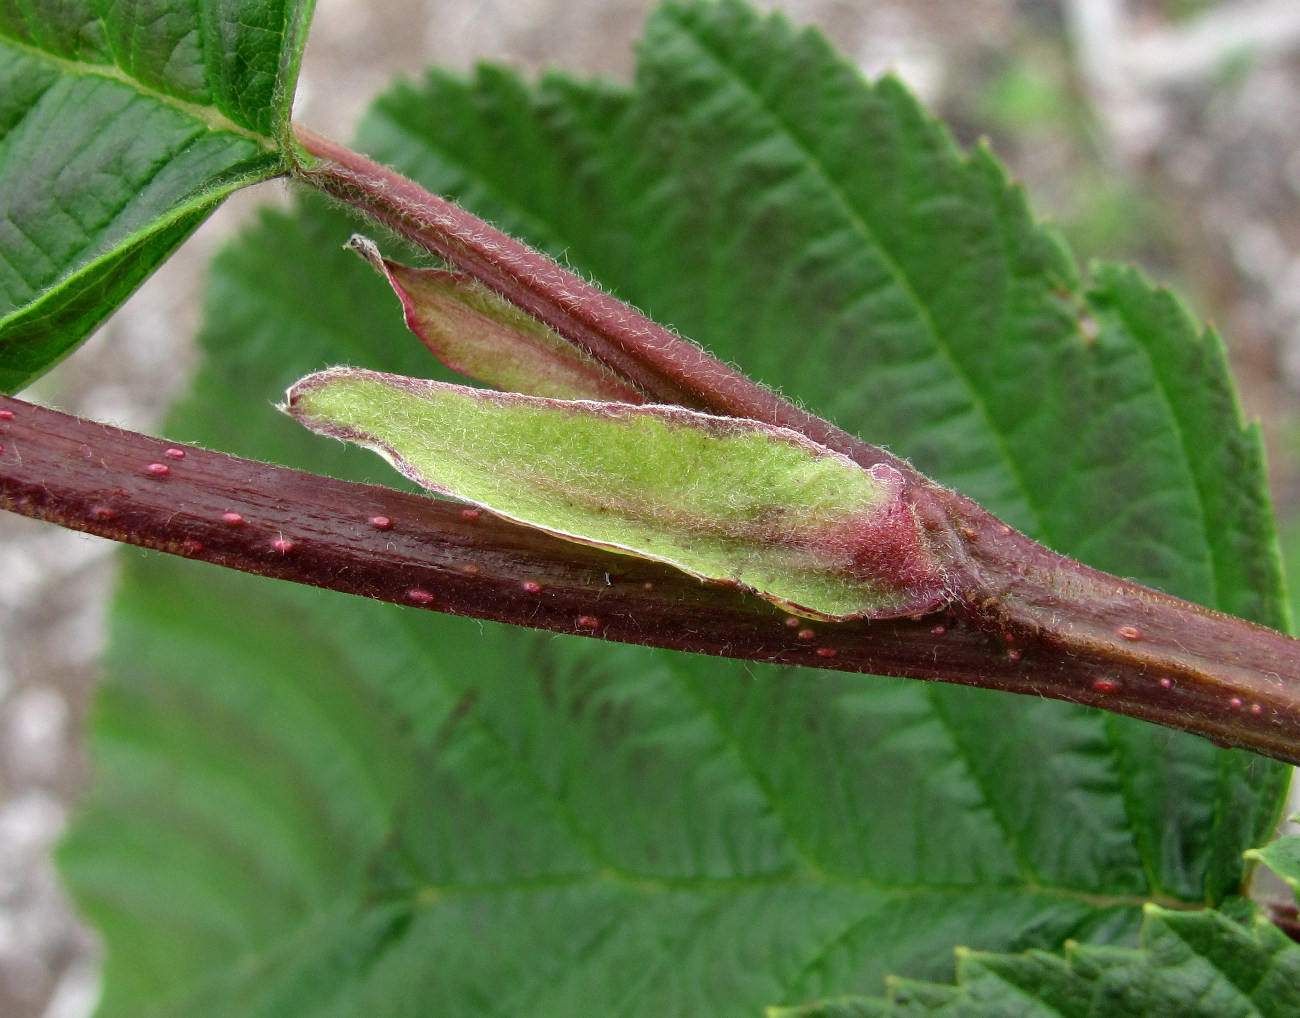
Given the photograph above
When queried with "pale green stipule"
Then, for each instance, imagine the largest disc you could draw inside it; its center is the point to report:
(726, 499)
(483, 336)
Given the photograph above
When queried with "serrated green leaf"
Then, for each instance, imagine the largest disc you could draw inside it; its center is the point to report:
(1189, 965)
(464, 818)
(729, 500)
(122, 126)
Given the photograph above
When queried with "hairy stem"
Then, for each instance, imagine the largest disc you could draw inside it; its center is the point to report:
(1053, 628)
(663, 365)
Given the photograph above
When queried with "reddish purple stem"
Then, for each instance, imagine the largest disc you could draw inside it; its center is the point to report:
(417, 550)
(663, 365)
(1122, 647)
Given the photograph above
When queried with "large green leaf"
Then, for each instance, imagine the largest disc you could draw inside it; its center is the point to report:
(122, 126)
(310, 804)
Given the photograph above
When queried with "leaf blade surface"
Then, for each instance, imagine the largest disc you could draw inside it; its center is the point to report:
(121, 128)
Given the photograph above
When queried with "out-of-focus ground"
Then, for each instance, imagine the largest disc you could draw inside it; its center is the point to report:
(1164, 131)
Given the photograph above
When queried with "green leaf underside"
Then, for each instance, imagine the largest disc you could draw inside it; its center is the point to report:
(349, 808)
(723, 499)
(484, 337)
(122, 126)
(1190, 965)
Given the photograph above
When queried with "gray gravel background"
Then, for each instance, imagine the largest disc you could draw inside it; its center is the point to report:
(1180, 115)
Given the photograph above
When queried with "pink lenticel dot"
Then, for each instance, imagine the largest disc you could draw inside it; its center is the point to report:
(101, 512)
(1235, 702)
(191, 547)
(1105, 686)
(1013, 655)
(234, 519)
(1256, 708)
(938, 630)
(174, 453)
(419, 596)
(6, 415)
(283, 545)
(159, 469)
(1167, 683)
(792, 622)
(1129, 632)
(647, 586)
(1009, 637)
(588, 622)
(470, 514)
(806, 634)
(826, 652)
(381, 523)
(531, 586)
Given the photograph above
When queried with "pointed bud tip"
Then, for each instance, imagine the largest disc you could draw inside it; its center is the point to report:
(366, 248)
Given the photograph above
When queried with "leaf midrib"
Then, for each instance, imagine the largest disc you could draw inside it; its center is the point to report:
(312, 924)
(430, 895)
(210, 116)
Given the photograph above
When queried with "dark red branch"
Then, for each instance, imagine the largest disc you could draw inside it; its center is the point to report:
(1169, 660)
(1057, 630)
(416, 550)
